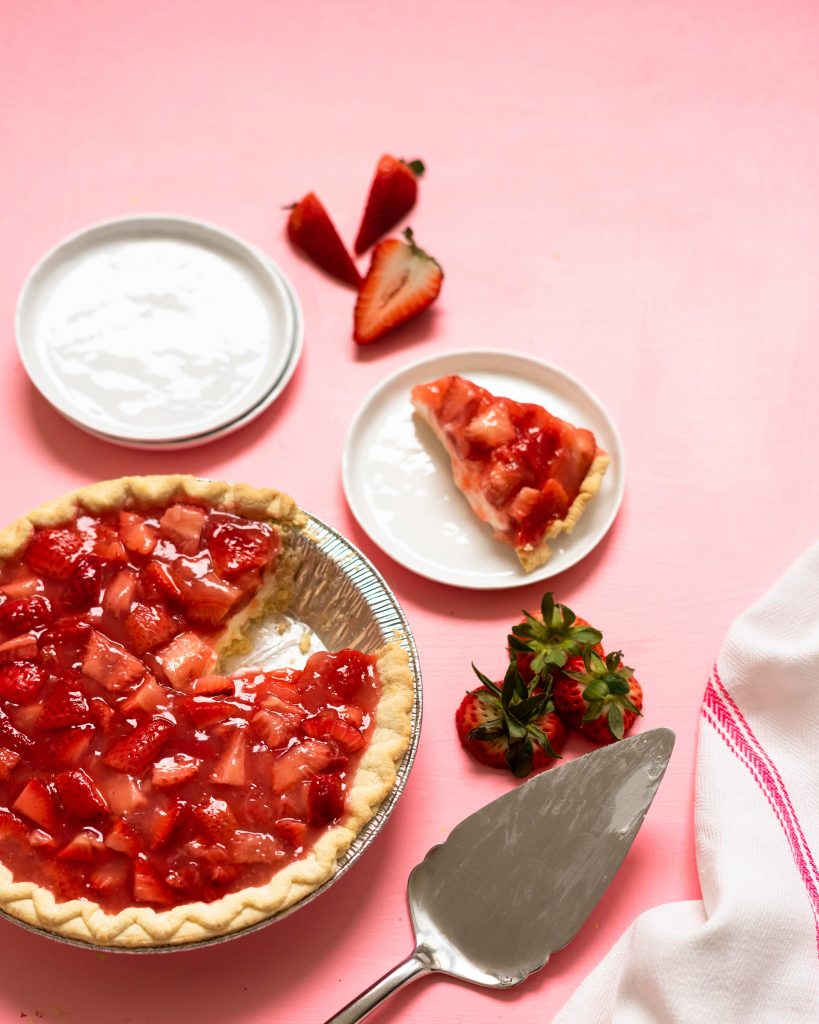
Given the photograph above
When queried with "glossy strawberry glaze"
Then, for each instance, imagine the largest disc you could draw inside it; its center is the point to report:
(130, 774)
(520, 467)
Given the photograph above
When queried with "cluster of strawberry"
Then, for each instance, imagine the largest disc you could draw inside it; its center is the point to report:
(402, 280)
(559, 677)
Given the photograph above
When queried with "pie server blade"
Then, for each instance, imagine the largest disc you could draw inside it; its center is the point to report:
(514, 882)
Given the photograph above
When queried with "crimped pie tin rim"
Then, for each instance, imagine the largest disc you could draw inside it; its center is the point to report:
(394, 625)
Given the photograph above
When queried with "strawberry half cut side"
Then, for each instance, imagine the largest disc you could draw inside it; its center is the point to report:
(310, 229)
(392, 195)
(510, 725)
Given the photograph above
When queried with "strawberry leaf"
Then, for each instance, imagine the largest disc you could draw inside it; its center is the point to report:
(616, 721)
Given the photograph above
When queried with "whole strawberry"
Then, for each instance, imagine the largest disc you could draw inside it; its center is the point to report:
(393, 192)
(310, 229)
(547, 640)
(507, 726)
(599, 697)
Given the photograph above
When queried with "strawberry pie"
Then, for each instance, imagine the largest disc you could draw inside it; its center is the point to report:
(524, 472)
(147, 797)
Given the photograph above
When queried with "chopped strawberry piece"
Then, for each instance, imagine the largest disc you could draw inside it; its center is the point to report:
(21, 681)
(275, 729)
(63, 642)
(65, 705)
(109, 877)
(108, 546)
(52, 552)
(21, 584)
(110, 663)
(79, 794)
(156, 583)
(66, 878)
(102, 713)
(11, 826)
(231, 768)
(327, 725)
(12, 737)
(183, 525)
(85, 847)
(291, 831)
(216, 818)
(41, 840)
(148, 886)
(136, 751)
(9, 759)
(36, 802)
(185, 658)
(241, 547)
(204, 712)
(120, 593)
(21, 648)
(24, 614)
(352, 714)
(208, 600)
(122, 793)
(71, 745)
(173, 771)
(299, 762)
(209, 685)
(148, 626)
(136, 534)
(184, 876)
(82, 588)
(163, 823)
(325, 799)
(147, 697)
(123, 839)
(254, 848)
(281, 683)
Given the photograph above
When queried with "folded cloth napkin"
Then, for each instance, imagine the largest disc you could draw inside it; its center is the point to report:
(748, 952)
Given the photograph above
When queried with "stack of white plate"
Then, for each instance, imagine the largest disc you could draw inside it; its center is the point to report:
(158, 332)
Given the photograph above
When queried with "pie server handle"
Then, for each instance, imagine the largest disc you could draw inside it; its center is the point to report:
(413, 967)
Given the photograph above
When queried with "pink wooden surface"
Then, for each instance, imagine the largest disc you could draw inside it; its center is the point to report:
(627, 190)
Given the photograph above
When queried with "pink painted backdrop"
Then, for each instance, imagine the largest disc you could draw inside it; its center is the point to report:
(626, 189)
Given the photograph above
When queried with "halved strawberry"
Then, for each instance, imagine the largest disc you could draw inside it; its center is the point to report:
(598, 697)
(109, 663)
(123, 839)
(216, 818)
(300, 762)
(82, 588)
(25, 613)
(136, 534)
(254, 848)
(310, 229)
(156, 583)
(510, 725)
(85, 847)
(149, 886)
(21, 681)
(65, 705)
(148, 696)
(9, 759)
(136, 751)
(231, 768)
(148, 626)
(70, 746)
(392, 195)
(328, 725)
(173, 771)
(36, 802)
(79, 794)
(544, 642)
(183, 525)
(119, 593)
(325, 799)
(185, 658)
(203, 711)
(20, 648)
(291, 831)
(402, 281)
(52, 552)
(239, 547)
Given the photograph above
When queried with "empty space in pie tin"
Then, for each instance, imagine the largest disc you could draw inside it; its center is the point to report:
(340, 600)
(156, 328)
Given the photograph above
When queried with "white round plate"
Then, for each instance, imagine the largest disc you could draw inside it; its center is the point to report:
(251, 414)
(398, 481)
(154, 328)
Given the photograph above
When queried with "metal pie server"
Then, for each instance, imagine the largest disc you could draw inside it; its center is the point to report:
(515, 881)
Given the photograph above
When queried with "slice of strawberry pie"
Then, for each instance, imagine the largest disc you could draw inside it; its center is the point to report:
(147, 798)
(524, 472)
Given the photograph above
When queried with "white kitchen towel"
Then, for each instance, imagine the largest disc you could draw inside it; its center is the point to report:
(748, 952)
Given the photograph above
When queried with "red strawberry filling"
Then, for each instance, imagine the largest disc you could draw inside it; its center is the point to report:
(129, 772)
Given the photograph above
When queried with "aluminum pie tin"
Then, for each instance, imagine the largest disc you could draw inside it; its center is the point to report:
(342, 599)
(156, 329)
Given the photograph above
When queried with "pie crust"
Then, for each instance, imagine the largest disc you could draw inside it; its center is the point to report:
(138, 927)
